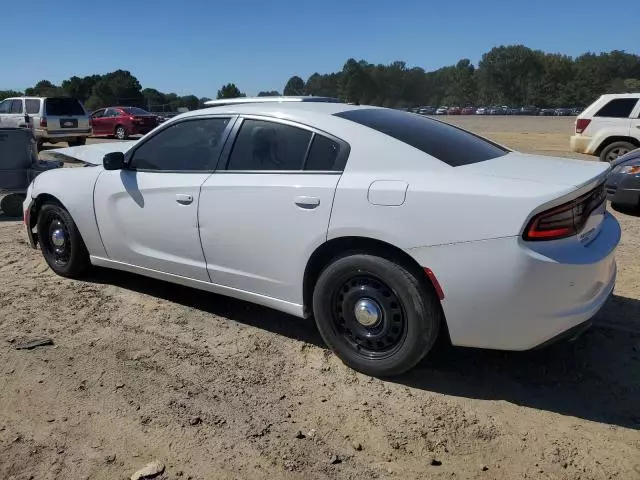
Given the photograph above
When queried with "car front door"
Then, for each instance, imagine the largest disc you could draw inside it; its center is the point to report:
(5, 107)
(97, 122)
(147, 213)
(267, 208)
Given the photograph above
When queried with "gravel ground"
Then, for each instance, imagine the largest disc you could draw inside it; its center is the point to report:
(214, 388)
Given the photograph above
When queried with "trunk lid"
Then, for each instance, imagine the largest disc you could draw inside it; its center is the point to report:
(564, 172)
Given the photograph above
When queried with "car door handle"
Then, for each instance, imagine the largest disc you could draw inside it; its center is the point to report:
(184, 199)
(307, 202)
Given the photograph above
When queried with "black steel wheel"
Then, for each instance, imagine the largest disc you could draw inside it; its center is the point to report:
(377, 315)
(615, 150)
(60, 241)
(368, 313)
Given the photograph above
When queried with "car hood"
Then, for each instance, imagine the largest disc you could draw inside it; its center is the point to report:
(89, 154)
(564, 172)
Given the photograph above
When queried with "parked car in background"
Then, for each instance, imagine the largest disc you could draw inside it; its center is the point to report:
(513, 111)
(563, 112)
(623, 183)
(454, 111)
(546, 112)
(482, 111)
(122, 122)
(577, 110)
(468, 111)
(53, 119)
(442, 110)
(609, 127)
(529, 110)
(496, 111)
(427, 110)
(297, 207)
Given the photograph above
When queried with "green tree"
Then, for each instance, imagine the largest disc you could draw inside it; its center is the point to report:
(9, 93)
(80, 88)
(294, 86)
(270, 93)
(44, 88)
(230, 91)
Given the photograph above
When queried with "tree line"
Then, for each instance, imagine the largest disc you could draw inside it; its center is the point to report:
(512, 75)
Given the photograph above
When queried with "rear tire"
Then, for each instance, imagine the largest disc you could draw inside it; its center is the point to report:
(77, 142)
(375, 314)
(121, 132)
(615, 149)
(60, 241)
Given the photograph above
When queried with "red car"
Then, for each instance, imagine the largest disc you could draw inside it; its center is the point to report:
(122, 122)
(453, 111)
(468, 111)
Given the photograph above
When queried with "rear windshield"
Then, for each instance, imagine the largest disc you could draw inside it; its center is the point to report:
(135, 111)
(445, 142)
(63, 106)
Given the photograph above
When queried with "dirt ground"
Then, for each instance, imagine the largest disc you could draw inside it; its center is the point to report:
(215, 388)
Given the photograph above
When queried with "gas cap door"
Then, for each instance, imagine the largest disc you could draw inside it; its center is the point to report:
(390, 193)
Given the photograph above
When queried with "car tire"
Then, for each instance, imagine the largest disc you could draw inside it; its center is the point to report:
(615, 149)
(78, 142)
(60, 241)
(121, 132)
(376, 315)
(11, 205)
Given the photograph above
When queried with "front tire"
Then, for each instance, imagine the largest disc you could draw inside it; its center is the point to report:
(615, 150)
(60, 241)
(121, 132)
(375, 314)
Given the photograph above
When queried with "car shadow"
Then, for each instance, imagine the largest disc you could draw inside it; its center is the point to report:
(596, 377)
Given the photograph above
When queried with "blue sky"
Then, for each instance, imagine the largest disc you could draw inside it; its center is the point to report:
(195, 46)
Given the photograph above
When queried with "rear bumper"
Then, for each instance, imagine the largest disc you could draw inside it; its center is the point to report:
(61, 134)
(581, 144)
(509, 294)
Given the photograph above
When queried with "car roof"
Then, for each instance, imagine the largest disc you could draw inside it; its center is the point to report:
(608, 96)
(275, 109)
(242, 100)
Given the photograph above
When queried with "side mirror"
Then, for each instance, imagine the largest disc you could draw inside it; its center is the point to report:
(113, 161)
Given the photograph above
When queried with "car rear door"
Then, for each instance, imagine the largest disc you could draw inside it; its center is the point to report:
(148, 213)
(267, 208)
(13, 115)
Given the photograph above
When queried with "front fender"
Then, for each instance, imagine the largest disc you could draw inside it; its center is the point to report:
(73, 187)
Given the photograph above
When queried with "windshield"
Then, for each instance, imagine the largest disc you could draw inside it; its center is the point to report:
(445, 142)
(135, 111)
(57, 106)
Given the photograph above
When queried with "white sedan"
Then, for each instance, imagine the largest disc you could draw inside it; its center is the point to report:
(388, 227)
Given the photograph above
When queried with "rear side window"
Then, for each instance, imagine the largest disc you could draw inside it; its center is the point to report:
(16, 106)
(618, 108)
(135, 111)
(263, 145)
(323, 155)
(449, 144)
(33, 106)
(58, 106)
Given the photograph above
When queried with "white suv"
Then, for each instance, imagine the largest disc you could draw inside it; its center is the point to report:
(609, 127)
(54, 119)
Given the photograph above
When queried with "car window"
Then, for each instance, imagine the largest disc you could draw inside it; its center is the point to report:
(16, 106)
(449, 144)
(135, 111)
(111, 112)
(264, 145)
(618, 108)
(98, 114)
(190, 145)
(5, 106)
(58, 106)
(323, 155)
(33, 106)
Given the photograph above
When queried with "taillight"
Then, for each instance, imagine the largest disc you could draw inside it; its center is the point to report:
(565, 220)
(582, 124)
(43, 122)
